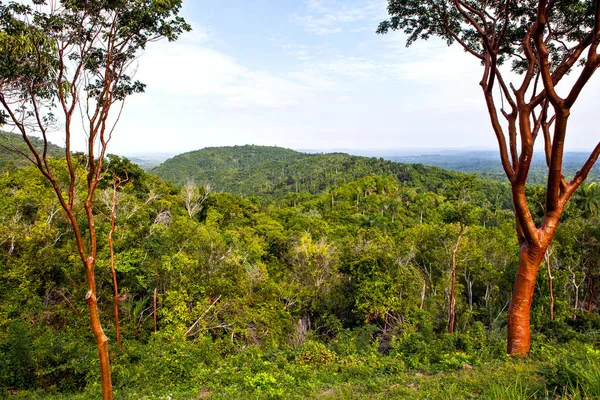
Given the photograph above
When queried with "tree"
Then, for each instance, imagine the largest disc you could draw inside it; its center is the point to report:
(457, 210)
(193, 197)
(113, 215)
(67, 57)
(543, 40)
(587, 200)
(314, 269)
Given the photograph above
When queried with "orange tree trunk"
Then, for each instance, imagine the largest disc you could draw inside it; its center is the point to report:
(101, 339)
(519, 333)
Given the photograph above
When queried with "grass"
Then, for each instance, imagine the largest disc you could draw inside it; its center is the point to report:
(327, 382)
(312, 371)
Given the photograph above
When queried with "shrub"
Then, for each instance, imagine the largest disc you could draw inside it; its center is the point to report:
(17, 368)
(571, 369)
(314, 353)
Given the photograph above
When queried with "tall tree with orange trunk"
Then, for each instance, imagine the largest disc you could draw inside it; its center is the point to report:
(66, 64)
(542, 40)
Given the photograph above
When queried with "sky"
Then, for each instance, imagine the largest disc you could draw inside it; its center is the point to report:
(311, 74)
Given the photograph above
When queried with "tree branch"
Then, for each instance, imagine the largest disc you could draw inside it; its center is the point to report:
(582, 174)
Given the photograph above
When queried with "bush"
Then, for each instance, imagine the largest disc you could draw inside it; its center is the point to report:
(17, 368)
(571, 370)
(314, 353)
(357, 341)
(448, 351)
(65, 363)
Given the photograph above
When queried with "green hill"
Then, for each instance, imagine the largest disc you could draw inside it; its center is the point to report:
(260, 170)
(11, 160)
(487, 164)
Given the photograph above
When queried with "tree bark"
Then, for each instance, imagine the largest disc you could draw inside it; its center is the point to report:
(469, 283)
(90, 297)
(101, 339)
(519, 331)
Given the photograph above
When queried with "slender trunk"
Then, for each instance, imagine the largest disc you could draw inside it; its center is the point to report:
(89, 263)
(470, 293)
(576, 306)
(112, 264)
(453, 284)
(519, 334)
(469, 282)
(576, 287)
(551, 280)
(101, 339)
(487, 301)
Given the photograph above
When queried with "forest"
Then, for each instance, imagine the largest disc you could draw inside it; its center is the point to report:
(342, 292)
(485, 164)
(266, 273)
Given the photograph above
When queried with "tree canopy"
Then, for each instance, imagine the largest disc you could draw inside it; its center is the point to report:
(543, 41)
(61, 61)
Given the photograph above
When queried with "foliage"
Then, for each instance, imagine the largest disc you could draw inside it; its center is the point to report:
(262, 170)
(10, 160)
(77, 55)
(485, 164)
(544, 42)
(572, 370)
(515, 391)
(290, 297)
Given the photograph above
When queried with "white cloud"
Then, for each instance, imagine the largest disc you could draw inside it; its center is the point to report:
(441, 71)
(376, 60)
(186, 69)
(350, 67)
(328, 16)
(300, 52)
(356, 90)
(264, 89)
(192, 69)
(313, 78)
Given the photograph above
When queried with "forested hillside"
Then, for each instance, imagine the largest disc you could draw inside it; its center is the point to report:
(11, 144)
(262, 170)
(254, 272)
(292, 295)
(486, 164)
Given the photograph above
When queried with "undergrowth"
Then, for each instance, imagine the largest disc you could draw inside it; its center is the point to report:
(418, 366)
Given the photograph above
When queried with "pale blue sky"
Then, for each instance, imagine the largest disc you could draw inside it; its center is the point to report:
(310, 74)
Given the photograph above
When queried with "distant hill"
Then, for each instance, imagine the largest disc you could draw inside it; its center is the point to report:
(260, 170)
(11, 160)
(147, 161)
(487, 163)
